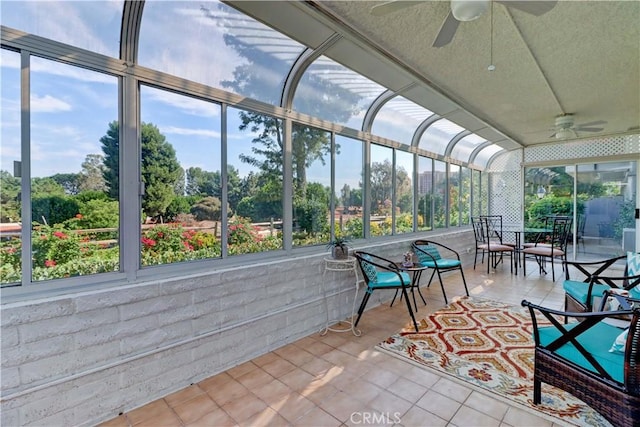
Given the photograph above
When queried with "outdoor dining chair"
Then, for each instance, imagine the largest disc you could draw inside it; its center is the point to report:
(428, 253)
(381, 273)
(554, 248)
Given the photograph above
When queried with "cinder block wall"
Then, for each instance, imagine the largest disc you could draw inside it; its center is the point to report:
(82, 358)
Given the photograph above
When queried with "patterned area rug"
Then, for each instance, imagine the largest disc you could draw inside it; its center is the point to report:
(488, 345)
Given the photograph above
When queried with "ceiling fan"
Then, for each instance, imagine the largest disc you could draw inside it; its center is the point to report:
(463, 11)
(565, 127)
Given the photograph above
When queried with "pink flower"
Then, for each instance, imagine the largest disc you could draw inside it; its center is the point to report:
(49, 263)
(11, 250)
(59, 234)
(148, 242)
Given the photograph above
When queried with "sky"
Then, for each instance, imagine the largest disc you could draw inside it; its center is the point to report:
(71, 107)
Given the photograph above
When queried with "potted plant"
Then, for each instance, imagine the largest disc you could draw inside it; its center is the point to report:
(339, 247)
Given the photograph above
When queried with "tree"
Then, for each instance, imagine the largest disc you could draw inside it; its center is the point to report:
(381, 188)
(69, 181)
(92, 173)
(160, 169)
(9, 197)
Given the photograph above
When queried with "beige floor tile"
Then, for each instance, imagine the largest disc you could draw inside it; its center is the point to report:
(293, 406)
(452, 389)
(318, 393)
(418, 417)
(242, 369)
(317, 366)
(267, 417)
(485, 404)
(439, 404)
(255, 378)
(272, 391)
(196, 408)
(183, 395)
(168, 420)
(317, 418)
(217, 418)
(215, 381)
(228, 392)
(154, 409)
(341, 405)
(518, 417)
(265, 358)
(388, 403)
(408, 390)
(362, 390)
(297, 379)
(295, 354)
(244, 408)
(278, 367)
(318, 348)
(470, 417)
(381, 377)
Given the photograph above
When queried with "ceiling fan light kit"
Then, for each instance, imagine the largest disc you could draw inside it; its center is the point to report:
(468, 10)
(564, 134)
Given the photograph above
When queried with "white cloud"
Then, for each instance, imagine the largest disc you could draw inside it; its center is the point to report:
(48, 104)
(185, 103)
(190, 132)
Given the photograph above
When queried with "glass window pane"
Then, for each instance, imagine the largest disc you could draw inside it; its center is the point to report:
(465, 196)
(90, 25)
(463, 148)
(454, 195)
(438, 135)
(398, 119)
(214, 44)
(404, 192)
(478, 200)
(425, 192)
(381, 190)
(311, 185)
(10, 181)
(486, 153)
(254, 151)
(74, 171)
(348, 191)
(181, 172)
(335, 93)
(439, 193)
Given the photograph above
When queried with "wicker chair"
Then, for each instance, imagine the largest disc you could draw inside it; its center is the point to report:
(608, 384)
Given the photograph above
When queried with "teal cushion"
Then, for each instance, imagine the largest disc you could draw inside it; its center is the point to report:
(429, 249)
(389, 279)
(579, 290)
(441, 263)
(597, 341)
(369, 269)
(633, 264)
(620, 343)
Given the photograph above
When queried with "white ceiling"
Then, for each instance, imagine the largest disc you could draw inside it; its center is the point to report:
(582, 57)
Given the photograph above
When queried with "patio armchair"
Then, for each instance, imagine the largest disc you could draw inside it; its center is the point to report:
(381, 273)
(598, 277)
(428, 253)
(593, 360)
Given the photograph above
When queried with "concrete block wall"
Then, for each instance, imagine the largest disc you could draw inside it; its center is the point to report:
(82, 358)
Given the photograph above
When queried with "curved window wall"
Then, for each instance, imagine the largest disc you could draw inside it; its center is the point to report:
(190, 157)
(438, 135)
(398, 119)
(332, 92)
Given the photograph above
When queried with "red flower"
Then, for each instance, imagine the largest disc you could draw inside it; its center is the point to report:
(148, 242)
(160, 234)
(11, 250)
(49, 263)
(188, 246)
(79, 216)
(59, 234)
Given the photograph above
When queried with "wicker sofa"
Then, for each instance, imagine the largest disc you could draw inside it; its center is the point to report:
(576, 357)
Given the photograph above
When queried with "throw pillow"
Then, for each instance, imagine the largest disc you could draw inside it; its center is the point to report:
(369, 269)
(633, 269)
(620, 342)
(429, 249)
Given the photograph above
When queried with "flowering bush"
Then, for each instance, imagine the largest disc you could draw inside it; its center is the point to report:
(53, 246)
(242, 231)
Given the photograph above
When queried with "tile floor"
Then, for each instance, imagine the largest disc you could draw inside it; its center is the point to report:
(340, 380)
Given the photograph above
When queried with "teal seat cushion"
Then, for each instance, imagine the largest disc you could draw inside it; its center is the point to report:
(387, 279)
(597, 341)
(441, 263)
(579, 290)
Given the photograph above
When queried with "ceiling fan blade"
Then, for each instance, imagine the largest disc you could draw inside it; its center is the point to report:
(588, 129)
(536, 8)
(594, 123)
(447, 31)
(391, 6)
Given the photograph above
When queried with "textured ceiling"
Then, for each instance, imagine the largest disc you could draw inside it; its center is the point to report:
(582, 57)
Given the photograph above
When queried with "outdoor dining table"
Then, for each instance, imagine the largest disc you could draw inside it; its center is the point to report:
(519, 231)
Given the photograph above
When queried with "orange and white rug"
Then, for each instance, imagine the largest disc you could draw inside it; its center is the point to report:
(487, 345)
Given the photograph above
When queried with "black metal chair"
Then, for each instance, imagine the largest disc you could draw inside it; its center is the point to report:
(553, 249)
(381, 273)
(495, 249)
(428, 254)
